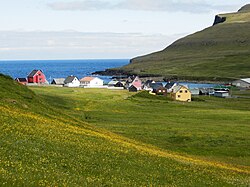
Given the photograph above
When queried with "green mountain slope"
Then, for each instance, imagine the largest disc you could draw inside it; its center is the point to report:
(219, 52)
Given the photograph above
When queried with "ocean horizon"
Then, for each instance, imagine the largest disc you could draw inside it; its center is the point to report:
(60, 68)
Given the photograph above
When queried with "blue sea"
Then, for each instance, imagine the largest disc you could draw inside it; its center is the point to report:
(60, 68)
(63, 68)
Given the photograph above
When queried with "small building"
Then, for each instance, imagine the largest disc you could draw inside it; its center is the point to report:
(58, 81)
(194, 91)
(221, 94)
(112, 83)
(170, 85)
(36, 76)
(158, 89)
(181, 93)
(132, 88)
(91, 82)
(119, 84)
(135, 81)
(243, 83)
(22, 80)
(71, 81)
(147, 85)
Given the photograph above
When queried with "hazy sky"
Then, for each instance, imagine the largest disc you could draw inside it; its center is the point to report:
(84, 29)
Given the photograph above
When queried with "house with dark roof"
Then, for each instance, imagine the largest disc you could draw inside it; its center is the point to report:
(58, 81)
(158, 89)
(170, 85)
(71, 81)
(147, 85)
(36, 76)
(22, 80)
(132, 88)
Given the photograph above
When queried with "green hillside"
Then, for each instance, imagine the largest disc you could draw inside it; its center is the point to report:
(219, 52)
(90, 137)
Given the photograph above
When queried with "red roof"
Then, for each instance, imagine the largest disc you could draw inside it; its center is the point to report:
(87, 79)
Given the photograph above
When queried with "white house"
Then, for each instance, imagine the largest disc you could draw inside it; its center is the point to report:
(221, 94)
(71, 81)
(91, 82)
(244, 83)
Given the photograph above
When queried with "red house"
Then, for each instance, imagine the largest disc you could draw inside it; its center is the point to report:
(36, 76)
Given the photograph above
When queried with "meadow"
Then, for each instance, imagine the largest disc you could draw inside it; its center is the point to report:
(93, 137)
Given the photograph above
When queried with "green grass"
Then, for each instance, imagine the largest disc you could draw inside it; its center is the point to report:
(98, 137)
(220, 52)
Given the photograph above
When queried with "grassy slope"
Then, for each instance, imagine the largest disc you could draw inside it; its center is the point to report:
(216, 53)
(55, 142)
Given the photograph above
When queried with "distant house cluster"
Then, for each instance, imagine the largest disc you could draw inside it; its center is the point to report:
(175, 90)
(73, 81)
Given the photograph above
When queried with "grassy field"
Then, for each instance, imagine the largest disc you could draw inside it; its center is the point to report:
(219, 52)
(94, 137)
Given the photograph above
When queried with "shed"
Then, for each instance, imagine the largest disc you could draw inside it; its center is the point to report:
(22, 80)
(58, 81)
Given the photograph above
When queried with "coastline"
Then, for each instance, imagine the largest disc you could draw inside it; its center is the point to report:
(119, 73)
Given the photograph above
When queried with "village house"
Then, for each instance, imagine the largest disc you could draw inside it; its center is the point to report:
(71, 81)
(181, 93)
(22, 80)
(132, 88)
(91, 82)
(243, 83)
(37, 76)
(222, 94)
(135, 81)
(112, 83)
(148, 85)
(58, 81)
(158, 89)
(170, 85)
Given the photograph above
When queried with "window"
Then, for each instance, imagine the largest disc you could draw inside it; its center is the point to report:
(159, 91)
(163, 91)
(179, 96)
(186, 91)
(180, 91)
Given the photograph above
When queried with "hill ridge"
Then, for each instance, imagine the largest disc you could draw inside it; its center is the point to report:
(220, 52)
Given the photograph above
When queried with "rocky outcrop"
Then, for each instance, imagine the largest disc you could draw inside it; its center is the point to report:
(219, 19)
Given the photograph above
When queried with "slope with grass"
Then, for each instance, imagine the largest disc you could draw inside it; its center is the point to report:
(74, 137)
(220, 52)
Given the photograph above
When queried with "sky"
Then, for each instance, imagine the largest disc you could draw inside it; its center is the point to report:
(101, 29)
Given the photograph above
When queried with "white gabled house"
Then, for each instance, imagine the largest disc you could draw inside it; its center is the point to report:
(91, 82)
(71, 81)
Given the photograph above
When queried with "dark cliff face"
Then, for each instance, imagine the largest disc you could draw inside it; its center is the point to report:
(219, 19)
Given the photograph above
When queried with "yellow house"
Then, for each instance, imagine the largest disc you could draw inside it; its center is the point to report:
(181, 93)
